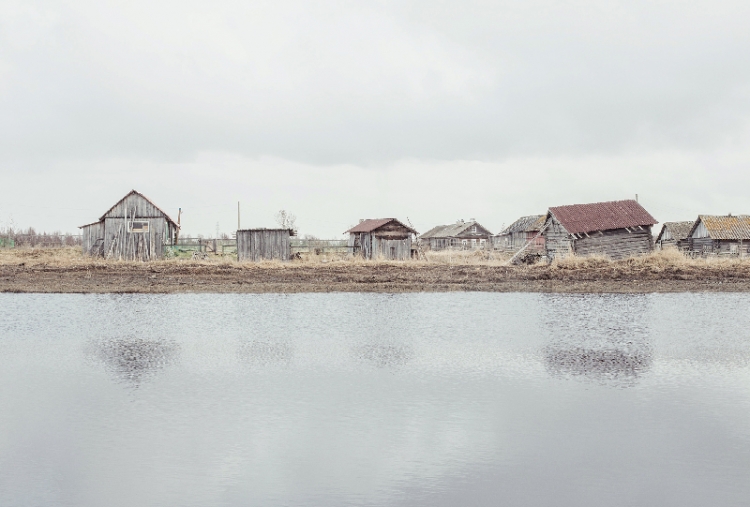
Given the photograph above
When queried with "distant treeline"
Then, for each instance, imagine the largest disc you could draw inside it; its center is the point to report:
(10, 237)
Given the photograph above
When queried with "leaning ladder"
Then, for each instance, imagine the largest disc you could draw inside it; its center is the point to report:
(524, 247)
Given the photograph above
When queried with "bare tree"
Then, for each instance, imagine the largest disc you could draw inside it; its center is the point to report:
(286, 220)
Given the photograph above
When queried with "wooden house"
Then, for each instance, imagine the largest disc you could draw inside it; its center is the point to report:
(264, 244)
(720, 235)
(616, 229)
(674, 235)
(520, 232)
(384, 238)
(133, 229)
(460, 236)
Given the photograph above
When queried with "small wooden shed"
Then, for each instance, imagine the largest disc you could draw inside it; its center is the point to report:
(264, 244)
(133, 229)
(674, 235)
(520, 232)
(385, 238)
(720, 235)
(616, 229)
(459, 236)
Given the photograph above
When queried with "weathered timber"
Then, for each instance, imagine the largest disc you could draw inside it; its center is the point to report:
(264, 244)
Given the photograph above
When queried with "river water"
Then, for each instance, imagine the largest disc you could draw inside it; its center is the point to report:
(375, 399)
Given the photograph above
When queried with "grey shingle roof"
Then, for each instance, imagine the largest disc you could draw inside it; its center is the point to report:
(450, 230)
(678, 230)
(529, 223)
(727, 226)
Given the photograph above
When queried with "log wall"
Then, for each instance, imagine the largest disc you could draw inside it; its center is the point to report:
(615, 244)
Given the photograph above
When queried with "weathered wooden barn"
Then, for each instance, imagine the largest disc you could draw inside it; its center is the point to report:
(460, 236)
(133, 229)
(674, 235)
(264, 244)
(616, 229)
(520, 232)
(720, 235)
(384, 238)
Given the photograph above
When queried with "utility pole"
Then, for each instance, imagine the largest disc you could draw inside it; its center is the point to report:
(238, 215)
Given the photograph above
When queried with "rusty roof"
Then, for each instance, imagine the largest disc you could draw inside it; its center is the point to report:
(725, 226)
(602, 216)
(679, 230)
(371, 224)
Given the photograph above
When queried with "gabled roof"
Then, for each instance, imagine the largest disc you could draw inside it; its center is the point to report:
(169, 219)
(678, 230)
(371, 224)
(602, 216)
(451, 230)
(531, 223)
(725, 226)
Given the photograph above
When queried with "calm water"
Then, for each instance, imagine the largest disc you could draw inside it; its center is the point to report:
(352, 399)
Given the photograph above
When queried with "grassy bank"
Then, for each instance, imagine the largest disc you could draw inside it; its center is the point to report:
(67, 270)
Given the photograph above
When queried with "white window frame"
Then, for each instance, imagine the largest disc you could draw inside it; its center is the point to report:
(144, 229)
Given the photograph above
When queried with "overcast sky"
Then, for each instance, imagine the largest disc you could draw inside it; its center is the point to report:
(337, 111)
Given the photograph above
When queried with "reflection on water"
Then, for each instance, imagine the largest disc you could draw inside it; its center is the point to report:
(603, 338)
(372, 399)
(134, 359)
(264, 352)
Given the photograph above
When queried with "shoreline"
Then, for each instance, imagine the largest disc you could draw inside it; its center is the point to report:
(184, 277)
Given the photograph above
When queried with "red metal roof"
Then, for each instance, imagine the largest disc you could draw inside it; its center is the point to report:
(371, 224)
(602, 216)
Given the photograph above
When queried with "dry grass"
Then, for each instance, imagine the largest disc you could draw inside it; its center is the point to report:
(655, 262)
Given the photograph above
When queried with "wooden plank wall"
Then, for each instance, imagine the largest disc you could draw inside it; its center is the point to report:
(90, 236)
(391, 249)
(135, 204)
(263, 244)
(123, 245)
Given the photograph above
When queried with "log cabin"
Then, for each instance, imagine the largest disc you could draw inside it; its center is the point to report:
(462, 235)
(720, 235)
(615, 229)
(674, 235)
(520, 232)
(381, 238)
(133, 229)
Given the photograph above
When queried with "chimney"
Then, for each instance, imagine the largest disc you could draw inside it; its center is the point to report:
(361, 220)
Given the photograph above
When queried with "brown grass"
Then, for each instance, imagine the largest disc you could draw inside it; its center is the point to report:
(68, 270)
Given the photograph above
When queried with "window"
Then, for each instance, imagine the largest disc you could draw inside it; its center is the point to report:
(734, 249)
(474, 228)
(138, 226)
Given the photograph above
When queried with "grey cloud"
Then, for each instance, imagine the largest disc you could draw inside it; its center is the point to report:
(358, 83)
